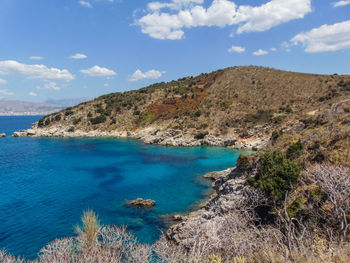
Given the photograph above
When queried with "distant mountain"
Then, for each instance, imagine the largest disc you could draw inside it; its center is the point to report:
(67, 102)
(12, 107)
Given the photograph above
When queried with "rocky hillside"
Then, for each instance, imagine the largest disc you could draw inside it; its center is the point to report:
(242, 107)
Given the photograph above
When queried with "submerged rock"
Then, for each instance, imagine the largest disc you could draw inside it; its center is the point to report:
(142, 203)
(2, 135)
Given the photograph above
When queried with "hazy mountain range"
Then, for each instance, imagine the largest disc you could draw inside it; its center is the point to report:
(14, 107)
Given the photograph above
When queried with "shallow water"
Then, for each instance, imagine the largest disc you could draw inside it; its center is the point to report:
(46, 184)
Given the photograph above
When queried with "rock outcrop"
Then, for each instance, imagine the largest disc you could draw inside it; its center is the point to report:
(141, 203)
(2, 135)
(229, 187)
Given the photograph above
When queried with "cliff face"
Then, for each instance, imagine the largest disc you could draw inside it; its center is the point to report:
(241, 107)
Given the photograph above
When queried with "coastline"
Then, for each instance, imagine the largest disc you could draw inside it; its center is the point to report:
(229, 189)
(151, 135)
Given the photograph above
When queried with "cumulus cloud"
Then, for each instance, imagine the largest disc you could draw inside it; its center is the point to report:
(78, 56)
(33, 94)
(97, 71)
(50, 85)
(6, 92)
(260, 52)
(175, 4)
(183, 14)
(3, 81)
(341, 3)
(151, 74)
(325, 38)
(36, 58)
(85, 4)
(34, 71)
(236, 49)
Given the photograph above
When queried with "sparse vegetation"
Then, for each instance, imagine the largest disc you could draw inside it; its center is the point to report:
(99, 119)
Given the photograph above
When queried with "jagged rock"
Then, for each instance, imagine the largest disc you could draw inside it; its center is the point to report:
(142, 203)
(230, 189)
(2, 135)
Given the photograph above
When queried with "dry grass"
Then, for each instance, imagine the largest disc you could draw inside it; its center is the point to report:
(90, 230)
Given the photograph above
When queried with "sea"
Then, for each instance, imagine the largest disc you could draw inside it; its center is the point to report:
(47, 183)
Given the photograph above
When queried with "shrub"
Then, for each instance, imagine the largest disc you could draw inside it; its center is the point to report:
(244, 163)
(57, 118)
(71, 129)
(98, 119)
(144, 118)
(197, 113)
(68, 113)
(90, 229)
(201, 135)
(276, 175)
(295, 150)
(275, 135)
(76, 121)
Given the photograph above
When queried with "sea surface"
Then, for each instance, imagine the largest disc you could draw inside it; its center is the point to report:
(47, 183)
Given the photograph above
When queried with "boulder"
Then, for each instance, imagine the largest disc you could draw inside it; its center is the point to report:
(142, 203)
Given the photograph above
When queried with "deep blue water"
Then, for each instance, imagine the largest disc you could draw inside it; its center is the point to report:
(46, 184)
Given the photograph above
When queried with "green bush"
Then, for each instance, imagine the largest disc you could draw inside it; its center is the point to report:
(144, 118)
(244, 163)
(98, 119)
(68, 113)
(200, 135)
(295, 150)
(276, 175)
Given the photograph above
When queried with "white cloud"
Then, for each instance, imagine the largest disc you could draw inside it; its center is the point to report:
(78, 56)
(106, 85)
(221, 13)
(50, 85)
(341, 3)
(6, 92)
(33, 94)
(325, 38)
(260, 52)
(34, 71)
(97, 71)
(175, 4)
(151, 74)
(236, 49)
(85, 4)
(271, 14)
(36, 58)
(3, 81)
(273, 49)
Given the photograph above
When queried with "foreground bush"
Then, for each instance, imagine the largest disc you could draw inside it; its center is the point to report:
(275, 175)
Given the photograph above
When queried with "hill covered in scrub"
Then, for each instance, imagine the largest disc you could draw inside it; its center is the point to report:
(242, 107)
(287, 202)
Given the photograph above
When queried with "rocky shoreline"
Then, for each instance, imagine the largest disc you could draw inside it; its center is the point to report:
(150, 136)
(230, 189)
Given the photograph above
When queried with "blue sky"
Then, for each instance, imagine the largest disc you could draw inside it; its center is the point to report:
(56, 49)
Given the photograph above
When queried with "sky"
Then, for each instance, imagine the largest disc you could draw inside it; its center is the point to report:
(60, 49)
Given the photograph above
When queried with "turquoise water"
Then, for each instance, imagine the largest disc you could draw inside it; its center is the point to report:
(46, 184)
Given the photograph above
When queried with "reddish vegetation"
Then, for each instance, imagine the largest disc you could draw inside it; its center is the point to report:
(168, 108)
